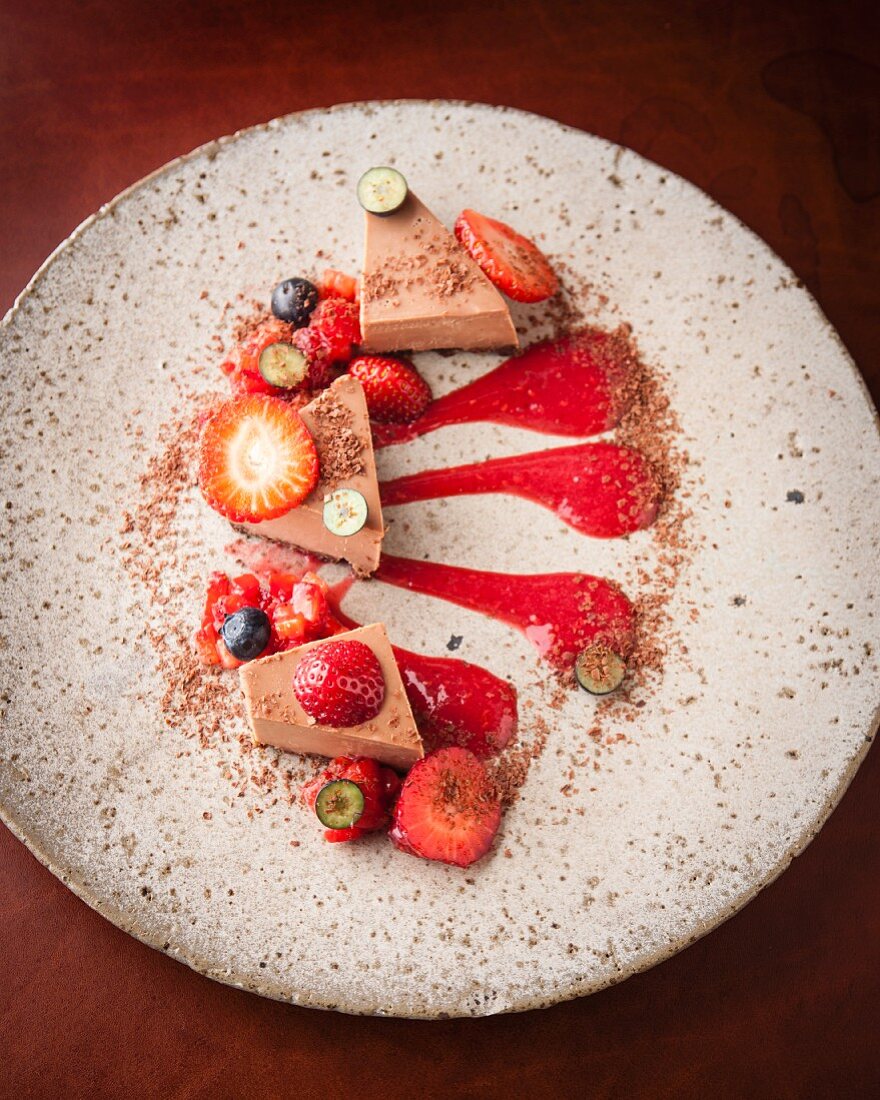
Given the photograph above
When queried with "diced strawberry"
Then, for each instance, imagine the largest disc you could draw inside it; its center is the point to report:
(218, 585)
(257, 459)
(509, 260)
(340, 836)
(297, 607)
(290, 625)
(336, 284)
(390, 783)
(378, 784)
(281, 586)
(340, 683)
(338, 322)
(447, 809)
(319, 344)
(243, 363)
(235, 601)
(206, 637)
(248, 585)
(314, 346)
(310, 601)
(396, 393)
(242, 383)
(206, 646)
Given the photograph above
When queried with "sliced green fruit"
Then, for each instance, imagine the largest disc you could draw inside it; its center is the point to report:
(381, 191)
(283, 365)
(345, 512)
(339, 804)
(599, 670)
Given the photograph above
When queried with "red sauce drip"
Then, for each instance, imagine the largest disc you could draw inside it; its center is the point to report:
(600, 489)
(457, 703)
(568, 387)
(559, 613)
(454, 702)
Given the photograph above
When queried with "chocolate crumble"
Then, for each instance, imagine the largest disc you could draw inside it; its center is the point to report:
(340, 450)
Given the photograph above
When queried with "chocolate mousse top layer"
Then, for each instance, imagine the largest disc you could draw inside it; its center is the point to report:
(420, 289)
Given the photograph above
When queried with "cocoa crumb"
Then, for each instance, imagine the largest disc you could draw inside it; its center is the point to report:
(340, 450)
(440, 266)
(197, 703)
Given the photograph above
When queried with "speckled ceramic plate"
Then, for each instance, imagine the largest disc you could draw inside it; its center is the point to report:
(767, 702)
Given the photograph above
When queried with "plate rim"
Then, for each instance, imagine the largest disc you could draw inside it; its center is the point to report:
(275, 991)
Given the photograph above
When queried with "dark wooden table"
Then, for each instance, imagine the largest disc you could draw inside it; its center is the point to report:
(773, 108)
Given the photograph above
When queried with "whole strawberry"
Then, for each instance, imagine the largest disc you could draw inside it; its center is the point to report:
(340, 684)
(396, 393)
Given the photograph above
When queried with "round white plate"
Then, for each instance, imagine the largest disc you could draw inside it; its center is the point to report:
(768, 698)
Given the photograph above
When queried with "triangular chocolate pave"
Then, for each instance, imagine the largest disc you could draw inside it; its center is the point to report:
(420, 289)
(340, 425)
(276, 717)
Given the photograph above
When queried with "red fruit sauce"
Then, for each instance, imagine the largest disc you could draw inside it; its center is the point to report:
(454, 702)
(567, 387)
(559, 613)
(457, 703)
(600, 489)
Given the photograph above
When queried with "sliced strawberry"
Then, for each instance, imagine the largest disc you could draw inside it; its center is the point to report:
(509, 260)
(396, 393)
(257, 459)
(340, 683)
(447, 809)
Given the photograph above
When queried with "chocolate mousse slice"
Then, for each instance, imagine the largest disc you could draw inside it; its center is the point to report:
(420, 289)
(340, 425)
(276, 717)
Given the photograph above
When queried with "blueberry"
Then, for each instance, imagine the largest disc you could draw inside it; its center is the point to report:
(246, 633)
(293, 301)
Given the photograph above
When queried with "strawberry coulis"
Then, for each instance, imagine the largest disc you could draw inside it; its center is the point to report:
(559, 613)
(568, 387)
(454, 702)
(599, 489)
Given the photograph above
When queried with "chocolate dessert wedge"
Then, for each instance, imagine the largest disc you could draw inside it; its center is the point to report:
(340, 425)
(420, 289)
(277, 718)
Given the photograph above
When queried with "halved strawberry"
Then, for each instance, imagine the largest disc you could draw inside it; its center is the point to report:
(447, 809)
(509, 260)
(340, 683)
(257, 459)
(396, 393)
(336, 284)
